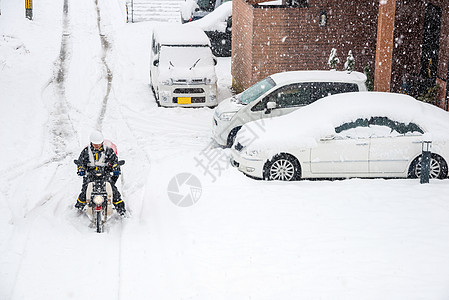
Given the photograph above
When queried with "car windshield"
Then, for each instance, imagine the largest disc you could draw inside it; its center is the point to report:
(257, 90)
(185, 57)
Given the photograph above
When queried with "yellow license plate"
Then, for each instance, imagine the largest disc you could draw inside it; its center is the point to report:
(184, 100)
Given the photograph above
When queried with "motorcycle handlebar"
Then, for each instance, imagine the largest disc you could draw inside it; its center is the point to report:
(78, 163)
(93, 174)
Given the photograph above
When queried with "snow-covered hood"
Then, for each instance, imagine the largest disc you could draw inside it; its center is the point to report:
(229, 105)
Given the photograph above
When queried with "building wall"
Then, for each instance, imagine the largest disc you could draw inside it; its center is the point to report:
(268, 40)
(409, 29)
(443, 59)
(408, 33)
(242, 44)
(278, 39)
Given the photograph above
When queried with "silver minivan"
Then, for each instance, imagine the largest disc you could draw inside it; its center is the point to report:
(277, 95)
(182, 67)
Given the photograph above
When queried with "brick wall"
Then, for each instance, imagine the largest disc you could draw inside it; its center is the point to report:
(242, 44)
(268, 40)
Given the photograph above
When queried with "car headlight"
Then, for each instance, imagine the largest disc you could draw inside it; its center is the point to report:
(227, 116)
(98, 200)
(167, 81)
(210, 80)
(213, 98)
(165, 96)
(252, 153)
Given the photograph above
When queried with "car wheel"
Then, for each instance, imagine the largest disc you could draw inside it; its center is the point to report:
(438, 167)
(231, 136)
(283, 167)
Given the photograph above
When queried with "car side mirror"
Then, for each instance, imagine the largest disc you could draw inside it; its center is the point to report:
(156, 63)
(270, 106)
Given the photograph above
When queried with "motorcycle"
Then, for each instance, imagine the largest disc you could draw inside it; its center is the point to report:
(99, 196)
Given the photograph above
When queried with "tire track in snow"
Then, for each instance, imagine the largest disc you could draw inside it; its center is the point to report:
(109, 76)
(61, 126)
(106, 46)
(61, 130)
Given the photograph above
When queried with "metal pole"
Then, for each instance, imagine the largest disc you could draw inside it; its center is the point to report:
(425, 161)
(127, 13)
(29, 9)
(132, 13)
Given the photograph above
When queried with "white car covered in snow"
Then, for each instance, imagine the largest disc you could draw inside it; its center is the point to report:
(277, 95)
(182, 68)
(346, 135)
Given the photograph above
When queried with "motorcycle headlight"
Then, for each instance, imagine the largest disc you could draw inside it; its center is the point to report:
(98, 200)
(227, 116)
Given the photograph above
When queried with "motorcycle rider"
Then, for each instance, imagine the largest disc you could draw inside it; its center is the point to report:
(94, 155)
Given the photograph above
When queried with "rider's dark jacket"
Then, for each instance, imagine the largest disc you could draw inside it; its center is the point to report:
(91, 159)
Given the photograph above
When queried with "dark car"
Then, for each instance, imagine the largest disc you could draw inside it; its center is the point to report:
(218, 27)
(221, 42)
(192, 10)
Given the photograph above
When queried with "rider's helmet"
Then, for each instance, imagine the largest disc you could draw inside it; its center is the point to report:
(96, 137)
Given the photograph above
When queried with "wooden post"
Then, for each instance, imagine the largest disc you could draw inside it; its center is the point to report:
(384, 46)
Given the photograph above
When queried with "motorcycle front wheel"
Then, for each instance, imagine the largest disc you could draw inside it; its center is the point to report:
(98, 221)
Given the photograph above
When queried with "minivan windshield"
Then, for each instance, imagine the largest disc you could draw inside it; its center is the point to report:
(257, 90)
(185, 57)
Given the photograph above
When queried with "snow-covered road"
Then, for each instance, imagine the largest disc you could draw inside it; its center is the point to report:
(64, 74)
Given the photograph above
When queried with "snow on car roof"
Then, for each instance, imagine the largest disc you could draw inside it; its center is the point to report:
(274, 2)
(303, 127)
(177, 34)
(310, 75)
(216, 20)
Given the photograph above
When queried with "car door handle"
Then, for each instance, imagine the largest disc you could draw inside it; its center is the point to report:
(362, 144)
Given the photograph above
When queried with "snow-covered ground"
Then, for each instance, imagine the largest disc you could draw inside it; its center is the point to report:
(243, 239)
